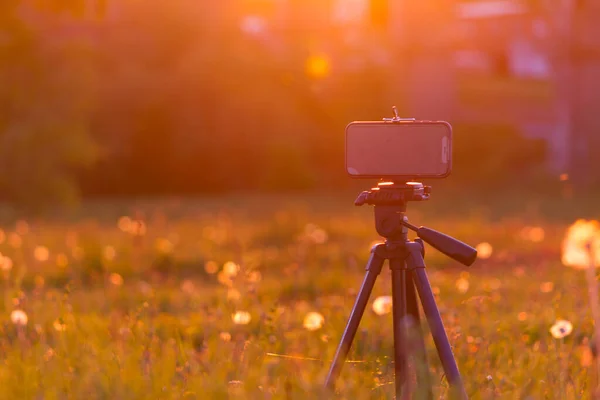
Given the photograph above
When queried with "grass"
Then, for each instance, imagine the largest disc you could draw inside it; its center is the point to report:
(112, 314)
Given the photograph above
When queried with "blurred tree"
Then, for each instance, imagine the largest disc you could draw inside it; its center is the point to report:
(47, 82)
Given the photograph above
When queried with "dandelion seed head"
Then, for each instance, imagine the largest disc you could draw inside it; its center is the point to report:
(313, 321)
(382, 305)
(18, 317)
(561, 329)
(241, 318)
(581, 237)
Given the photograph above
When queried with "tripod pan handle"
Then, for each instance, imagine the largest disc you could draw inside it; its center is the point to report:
(451, 247)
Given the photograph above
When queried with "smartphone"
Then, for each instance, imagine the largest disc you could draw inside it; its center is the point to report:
(405, 150)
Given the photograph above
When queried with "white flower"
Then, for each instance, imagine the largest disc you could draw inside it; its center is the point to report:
(582, 240)
(561, 329)
(241, 318)
(313, 321)
(382, 305)
(19, 317)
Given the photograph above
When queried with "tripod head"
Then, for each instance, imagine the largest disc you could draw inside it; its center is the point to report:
(390, 200)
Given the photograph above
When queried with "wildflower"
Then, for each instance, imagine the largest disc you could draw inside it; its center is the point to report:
(241, 318)
(382, 305)
(313, 321)
(41, 253)
(561, 329)
(19, 317)
(484, 250)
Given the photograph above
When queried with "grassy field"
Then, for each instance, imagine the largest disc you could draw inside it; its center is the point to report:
(208, 299)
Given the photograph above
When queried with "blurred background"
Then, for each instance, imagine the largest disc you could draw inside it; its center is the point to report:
(120, 98)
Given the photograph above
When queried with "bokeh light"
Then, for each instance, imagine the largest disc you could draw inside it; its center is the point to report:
(484, 250)
(317, 66)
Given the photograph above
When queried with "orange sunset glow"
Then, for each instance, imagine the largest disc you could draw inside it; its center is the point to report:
(299, 199)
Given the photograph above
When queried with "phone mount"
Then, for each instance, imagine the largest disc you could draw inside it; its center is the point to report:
(396, 117)
(407, 265)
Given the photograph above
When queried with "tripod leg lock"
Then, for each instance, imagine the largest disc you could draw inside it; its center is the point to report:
(416, 252)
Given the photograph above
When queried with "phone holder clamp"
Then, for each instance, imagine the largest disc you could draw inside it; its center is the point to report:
(396, 117)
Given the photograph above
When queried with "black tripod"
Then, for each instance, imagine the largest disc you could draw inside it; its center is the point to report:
(408, 272)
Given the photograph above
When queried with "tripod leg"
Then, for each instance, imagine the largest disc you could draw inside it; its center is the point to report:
(422, 366)
(439, 333)
(374, 266)
(398, 268)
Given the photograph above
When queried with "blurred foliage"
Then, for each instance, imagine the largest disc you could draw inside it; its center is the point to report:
(160, 97)
(487, 155)
(46, 97)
